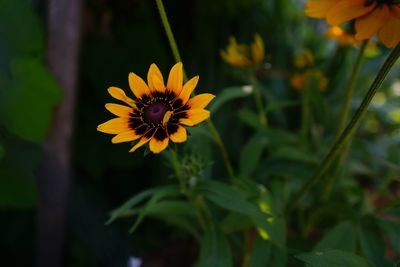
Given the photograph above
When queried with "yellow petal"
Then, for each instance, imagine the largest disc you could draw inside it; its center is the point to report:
(138, 86)
(119, 110)
(166, 118)
(175, 79)
(125, 137)
(186, 122)
(156, 146)
(370, 24)
(319, 8)
(347, 10)
(158, 84)
(389, 35)
(119, 94)
(141, 142)
(198, 115)
(200, 101)
(188, 89)
(114, 126)
(179, 136)
(257, 49)
(154, 71)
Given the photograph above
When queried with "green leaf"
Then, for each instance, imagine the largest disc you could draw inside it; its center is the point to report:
(261, 253)
(235, 222)
(392, 231)
(167, 207)
(231, 199)
(153, 203)
(27, 101)
(2, 151)
(250, 118)
(342, 237)
(371, 242)
(275, 105)
(333, 258)
(214, 250)
(135, 200)
(178, 213)
(251, 154)
(228, 94)
(180, 222)
(295, 154)
(288, 169)
(20, 28)
(17, 189)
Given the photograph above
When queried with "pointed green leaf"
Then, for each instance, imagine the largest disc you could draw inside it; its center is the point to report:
(251, 154)
(342, 236)
(229, 94)
(214, 250)
(224, 196)
(333, 258)
(135, 200)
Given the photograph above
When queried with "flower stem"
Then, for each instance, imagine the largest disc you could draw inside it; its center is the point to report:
(348, 131)
(344, 114)
(177, 56)
(259, 100)
(222, 148)
(349, 90)
(170, 35)
(196, 202)
(305, 111)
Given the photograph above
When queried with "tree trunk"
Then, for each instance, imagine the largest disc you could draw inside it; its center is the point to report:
(64, 18)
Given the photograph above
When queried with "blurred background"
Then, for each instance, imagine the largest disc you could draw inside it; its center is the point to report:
(54, 162)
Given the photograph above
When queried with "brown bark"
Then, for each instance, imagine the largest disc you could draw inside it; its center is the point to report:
(64, 17)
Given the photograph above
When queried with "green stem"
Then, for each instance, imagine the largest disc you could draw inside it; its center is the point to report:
(199, 205)
(175, 51)
(344, 114)
(178, 170)
(349, 130)
(349, 90)
(222, 148)
(259, 100)
(170, 35)
(305, 110)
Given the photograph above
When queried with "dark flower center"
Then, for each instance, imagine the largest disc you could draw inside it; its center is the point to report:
(388, 2)
(154, 113)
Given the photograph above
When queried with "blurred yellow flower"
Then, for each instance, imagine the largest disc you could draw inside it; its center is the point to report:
(243, 55)
(299, 80)
(341, 36)
(159, 112)
(304, 59)
(381, 17)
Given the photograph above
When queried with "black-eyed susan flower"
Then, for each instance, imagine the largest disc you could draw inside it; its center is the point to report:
(381, 17)
(242, 55)
(159, 112)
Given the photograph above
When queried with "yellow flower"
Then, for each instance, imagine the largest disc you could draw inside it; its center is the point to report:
(159, 112)
(244, 56)
(341, 36)
(381, 17)
(304, 59)
(299, 80)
